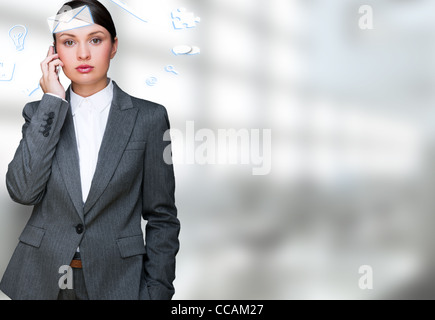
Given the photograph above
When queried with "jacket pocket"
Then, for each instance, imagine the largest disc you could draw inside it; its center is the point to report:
(32, 236)
(135, 145)
(131, 246)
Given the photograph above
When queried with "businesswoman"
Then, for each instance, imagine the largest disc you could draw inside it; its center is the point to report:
(91, 163)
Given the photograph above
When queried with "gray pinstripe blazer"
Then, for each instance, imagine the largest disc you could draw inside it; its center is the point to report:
(131, 181)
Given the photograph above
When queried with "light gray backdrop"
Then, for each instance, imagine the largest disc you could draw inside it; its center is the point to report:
(351, 114)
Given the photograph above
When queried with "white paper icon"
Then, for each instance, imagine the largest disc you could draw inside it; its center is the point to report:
(71, 19)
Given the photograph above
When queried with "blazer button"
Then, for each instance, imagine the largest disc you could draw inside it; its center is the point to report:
(80, 228)
(46, 134)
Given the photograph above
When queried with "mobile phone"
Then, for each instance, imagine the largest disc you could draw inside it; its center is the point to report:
(58, 67)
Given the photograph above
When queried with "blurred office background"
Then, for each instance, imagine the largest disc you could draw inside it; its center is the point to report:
(352, 117)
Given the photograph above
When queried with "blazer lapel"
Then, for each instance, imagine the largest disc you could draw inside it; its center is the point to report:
(122, 118)
(68, 161)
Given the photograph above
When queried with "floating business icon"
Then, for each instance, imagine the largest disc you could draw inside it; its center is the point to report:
(69, 19)
(7, 70)
(31, 91)
(151, 81)
(171, 69)
(18, 35)
(181, 19)
(124, 6)
(186, 50)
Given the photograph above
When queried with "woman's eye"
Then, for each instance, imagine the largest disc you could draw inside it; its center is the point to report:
(69, 43)
(96, 41)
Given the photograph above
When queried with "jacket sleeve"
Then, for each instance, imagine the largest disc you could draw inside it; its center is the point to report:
(30, 168)
(159, 210)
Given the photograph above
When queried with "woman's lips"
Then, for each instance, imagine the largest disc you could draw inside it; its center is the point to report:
(84, 69)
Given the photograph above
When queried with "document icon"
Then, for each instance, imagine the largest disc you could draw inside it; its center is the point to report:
(7, 70)
(71, 19)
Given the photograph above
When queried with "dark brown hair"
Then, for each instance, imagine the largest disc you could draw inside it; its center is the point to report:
(99, 12)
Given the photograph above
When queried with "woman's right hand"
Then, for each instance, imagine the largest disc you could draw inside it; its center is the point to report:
(50, 79)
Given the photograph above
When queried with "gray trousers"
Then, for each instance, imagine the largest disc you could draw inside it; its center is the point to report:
(78, 292)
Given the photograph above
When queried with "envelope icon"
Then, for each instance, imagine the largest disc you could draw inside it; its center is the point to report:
(71, 19)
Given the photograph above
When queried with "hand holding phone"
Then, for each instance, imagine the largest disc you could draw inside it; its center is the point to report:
(50, 74)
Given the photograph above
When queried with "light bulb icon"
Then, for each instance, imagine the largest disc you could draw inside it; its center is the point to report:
(18, 35)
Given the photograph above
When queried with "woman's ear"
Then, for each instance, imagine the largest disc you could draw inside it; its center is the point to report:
(114, 48)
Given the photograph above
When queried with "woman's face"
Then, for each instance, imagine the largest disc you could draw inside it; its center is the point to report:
(86, 53)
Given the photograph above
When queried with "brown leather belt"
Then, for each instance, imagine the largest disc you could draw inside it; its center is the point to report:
(76, 264)
(76, 261)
